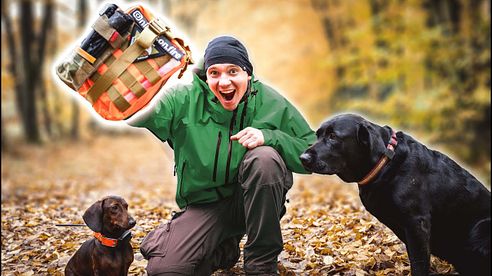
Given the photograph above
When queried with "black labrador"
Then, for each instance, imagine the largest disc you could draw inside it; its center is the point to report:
(431, 203)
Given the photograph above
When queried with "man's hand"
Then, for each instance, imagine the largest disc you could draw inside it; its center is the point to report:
(249, 137)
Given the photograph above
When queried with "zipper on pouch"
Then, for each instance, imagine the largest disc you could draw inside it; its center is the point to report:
(216, 160)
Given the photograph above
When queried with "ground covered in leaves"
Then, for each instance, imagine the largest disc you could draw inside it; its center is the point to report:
(326, 229)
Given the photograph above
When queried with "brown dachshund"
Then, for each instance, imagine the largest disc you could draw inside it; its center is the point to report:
(110, 252)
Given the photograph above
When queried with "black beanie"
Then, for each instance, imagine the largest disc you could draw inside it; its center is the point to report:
(227, 49)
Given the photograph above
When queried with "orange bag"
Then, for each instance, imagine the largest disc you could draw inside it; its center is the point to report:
(119, 72)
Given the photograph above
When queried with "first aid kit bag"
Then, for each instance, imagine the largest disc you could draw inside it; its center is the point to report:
(124, 61)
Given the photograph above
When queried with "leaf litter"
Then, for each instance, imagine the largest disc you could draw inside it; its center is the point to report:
(326, 229)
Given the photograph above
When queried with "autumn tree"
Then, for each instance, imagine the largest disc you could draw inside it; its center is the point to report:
(423, 66)
(26, 61)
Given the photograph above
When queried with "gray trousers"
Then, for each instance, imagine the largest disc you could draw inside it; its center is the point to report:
(204, 238)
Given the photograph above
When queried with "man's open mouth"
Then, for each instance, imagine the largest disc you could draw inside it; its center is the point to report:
(229, 95)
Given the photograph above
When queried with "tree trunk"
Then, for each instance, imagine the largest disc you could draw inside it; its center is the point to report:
(4, 140)
(82, 16)
(57, 105)
(45, 108)
(29, 111)
(12, 66)
(43, 38)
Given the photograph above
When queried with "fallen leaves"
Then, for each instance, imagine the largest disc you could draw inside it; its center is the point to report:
(326, 229)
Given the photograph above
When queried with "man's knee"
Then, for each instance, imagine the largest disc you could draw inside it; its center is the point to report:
(158, 266)
(263, 158)
(264, 165)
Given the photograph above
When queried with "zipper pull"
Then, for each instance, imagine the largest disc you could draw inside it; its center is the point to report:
(174, 170)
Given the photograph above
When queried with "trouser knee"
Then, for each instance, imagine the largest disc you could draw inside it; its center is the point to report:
(264, 166)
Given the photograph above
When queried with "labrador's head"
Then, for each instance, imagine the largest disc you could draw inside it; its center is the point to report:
(348, 146)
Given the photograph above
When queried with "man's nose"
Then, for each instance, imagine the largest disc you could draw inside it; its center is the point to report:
(224, 81)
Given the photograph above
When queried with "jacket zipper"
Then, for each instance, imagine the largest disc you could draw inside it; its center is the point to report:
(181, 184)
(243, 114)
(216, 160)
(229, 147)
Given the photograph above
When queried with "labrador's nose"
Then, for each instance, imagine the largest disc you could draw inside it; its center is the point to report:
(306, 159)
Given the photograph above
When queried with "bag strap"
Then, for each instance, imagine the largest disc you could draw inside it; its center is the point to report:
(144, 41)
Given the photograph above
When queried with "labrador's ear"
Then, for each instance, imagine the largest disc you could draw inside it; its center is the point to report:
(370, 138)
(363, 134)
(93, 216)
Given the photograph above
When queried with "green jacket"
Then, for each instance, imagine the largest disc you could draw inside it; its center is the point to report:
(198, 128)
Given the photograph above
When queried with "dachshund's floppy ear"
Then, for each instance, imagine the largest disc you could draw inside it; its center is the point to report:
(94, 215)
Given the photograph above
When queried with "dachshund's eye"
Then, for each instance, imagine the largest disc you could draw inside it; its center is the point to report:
(114, 207)
(332, 136)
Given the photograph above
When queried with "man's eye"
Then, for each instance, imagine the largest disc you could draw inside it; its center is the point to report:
(213, 73)
(233, 71)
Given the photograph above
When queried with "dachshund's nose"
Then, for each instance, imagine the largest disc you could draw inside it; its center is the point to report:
(131, 222)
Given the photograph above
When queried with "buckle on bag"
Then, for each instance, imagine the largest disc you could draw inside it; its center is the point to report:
(158, 27)
(146, 38)
(153, 30)
(150, 33)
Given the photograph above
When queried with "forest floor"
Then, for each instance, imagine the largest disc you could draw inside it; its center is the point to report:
(326, 229)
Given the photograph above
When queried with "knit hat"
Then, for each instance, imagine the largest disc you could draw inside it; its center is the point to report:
(227, 49)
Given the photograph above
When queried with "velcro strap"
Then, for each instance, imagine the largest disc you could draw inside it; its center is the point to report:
(118, 99)
(116, 40)
(102, 27)
(148, 71)
(132, 83)
(113, 72)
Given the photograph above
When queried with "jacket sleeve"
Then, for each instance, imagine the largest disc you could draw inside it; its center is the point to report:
(158, 120)
(285, 129)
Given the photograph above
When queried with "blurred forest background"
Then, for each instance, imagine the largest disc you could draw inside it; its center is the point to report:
(422, 66)
(419, 65)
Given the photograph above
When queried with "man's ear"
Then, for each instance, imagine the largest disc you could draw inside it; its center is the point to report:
(93, 216)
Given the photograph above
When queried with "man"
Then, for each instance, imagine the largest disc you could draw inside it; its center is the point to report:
(236, 143)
